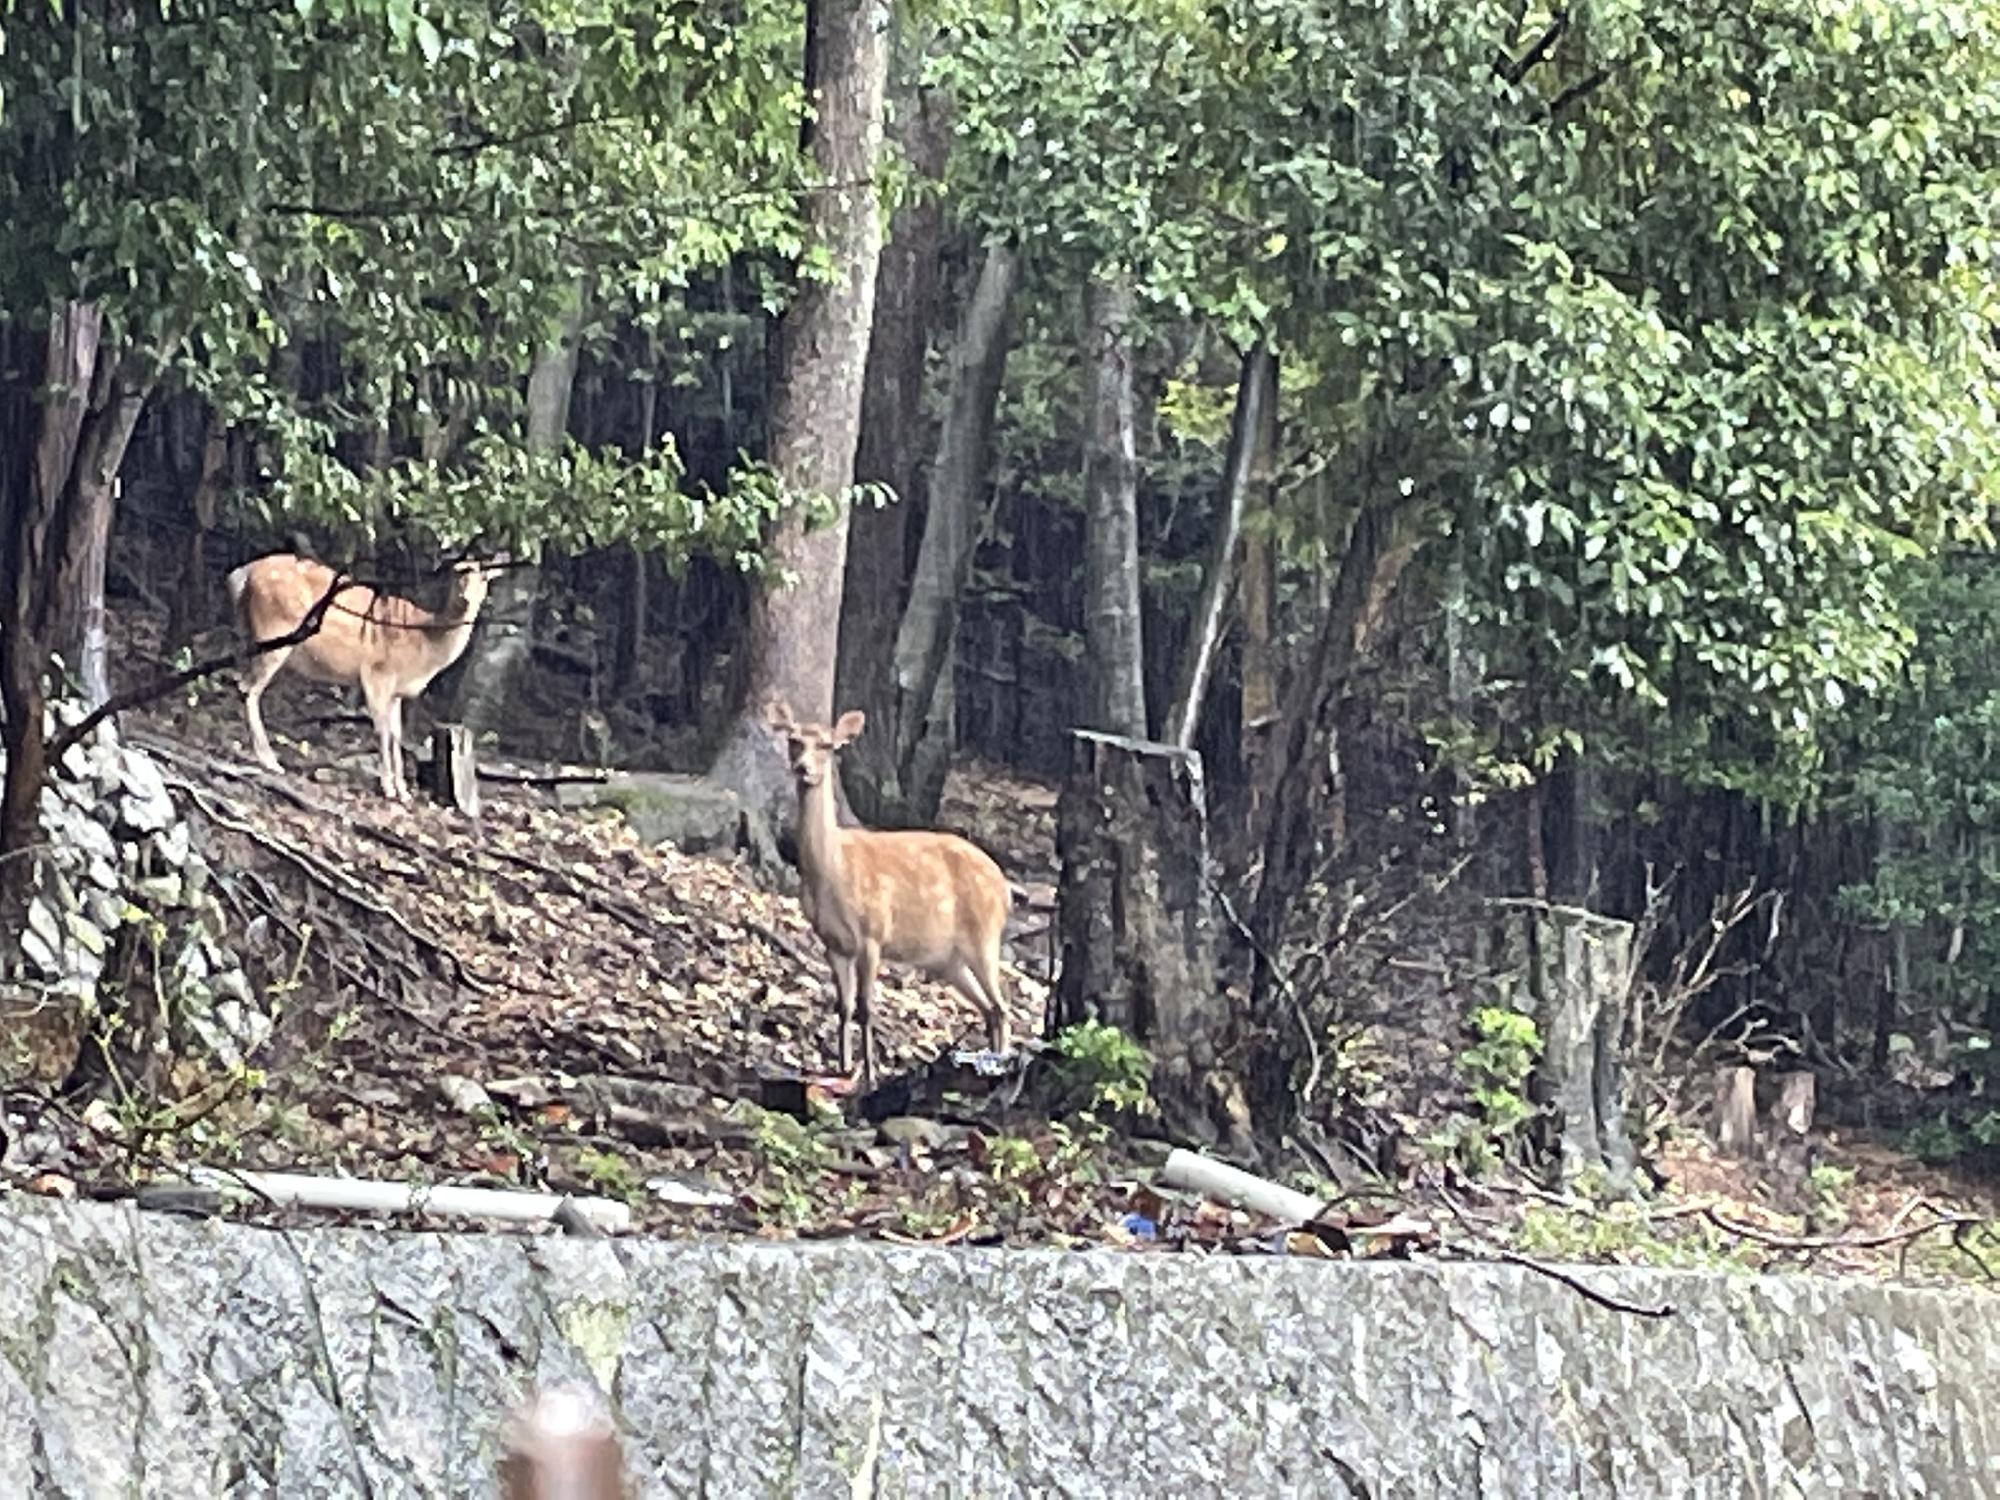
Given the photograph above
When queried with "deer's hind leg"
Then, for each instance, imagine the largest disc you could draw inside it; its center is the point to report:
(256, 677)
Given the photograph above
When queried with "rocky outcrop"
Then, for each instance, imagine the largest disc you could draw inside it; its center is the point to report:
(146, 1356)
(119, 874)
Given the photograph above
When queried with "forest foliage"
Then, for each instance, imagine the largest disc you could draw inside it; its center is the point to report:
(1638, 360)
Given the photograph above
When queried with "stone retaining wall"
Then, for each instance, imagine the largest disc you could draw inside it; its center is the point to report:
(148, 1356)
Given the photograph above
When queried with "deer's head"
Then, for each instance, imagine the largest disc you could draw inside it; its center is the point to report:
(810, 748)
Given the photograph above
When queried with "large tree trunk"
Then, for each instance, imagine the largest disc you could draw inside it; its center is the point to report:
(506, 632)
(895, 437)
(1136, 916)
(914, 753)
(1256, 390)
(1111, 510)
(63, 433)
(822, 357)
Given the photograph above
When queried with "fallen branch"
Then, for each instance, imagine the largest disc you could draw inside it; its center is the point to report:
(358, 1195)
(544, 778)
(1487, 1250)
(1813, 1243)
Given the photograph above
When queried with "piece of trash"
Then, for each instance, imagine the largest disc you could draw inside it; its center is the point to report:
(985, 1062)
(1140, 1227)
(684, 1194)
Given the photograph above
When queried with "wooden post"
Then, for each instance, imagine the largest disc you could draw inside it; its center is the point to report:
(1736, 1111)
(1581, 963)
(451, 775)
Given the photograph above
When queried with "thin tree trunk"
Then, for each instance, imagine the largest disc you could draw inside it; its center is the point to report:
(919, 717)
(632, 627)
(1379, 544)
(506, 633)
(1112, 630)
(119, 389)
(896, 439)
(1256, 389)
(822, 358)
(191, 594)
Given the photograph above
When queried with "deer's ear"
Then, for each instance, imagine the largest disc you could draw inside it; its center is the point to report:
(849, 727)
(778, 718)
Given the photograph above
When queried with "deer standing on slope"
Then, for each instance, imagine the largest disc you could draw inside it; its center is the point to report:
(386, 646)
(929, 900)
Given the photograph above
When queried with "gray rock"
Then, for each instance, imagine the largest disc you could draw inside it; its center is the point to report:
(158, 893)
(85, 934)
(463, 1094)
(232, 987)
(336, 1362)
(909, 1130)
(689, 812)
(41, 954)
(171, 845)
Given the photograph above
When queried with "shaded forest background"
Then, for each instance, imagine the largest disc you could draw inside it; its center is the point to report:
(1532, 455)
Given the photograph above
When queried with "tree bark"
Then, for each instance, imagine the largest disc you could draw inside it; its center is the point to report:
(190, 609)
(909, 778)
(59, 455)
(506, 632)
(1111, 509)
(1256, 390)
(822, 356)
(896, 438)
(1136, 914)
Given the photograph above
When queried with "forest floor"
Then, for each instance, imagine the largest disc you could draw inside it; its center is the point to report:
(539, 1000)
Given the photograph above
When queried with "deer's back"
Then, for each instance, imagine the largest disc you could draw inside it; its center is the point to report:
(361, 627)
(934, 898)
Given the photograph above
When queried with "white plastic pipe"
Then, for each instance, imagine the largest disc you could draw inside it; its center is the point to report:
(358, 1195)
(1226, 1184)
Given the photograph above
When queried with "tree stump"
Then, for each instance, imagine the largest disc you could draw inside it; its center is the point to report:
(1577, 968)
(1736, 1111)
(1135, 918)
(1792, 1111)
(451, 775)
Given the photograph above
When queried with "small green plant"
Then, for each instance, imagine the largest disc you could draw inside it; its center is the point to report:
(1497, 1067)
(1113, 1071)
(610, 1173)
(1829, 1185)
(795, 1157)
(1937, 1142)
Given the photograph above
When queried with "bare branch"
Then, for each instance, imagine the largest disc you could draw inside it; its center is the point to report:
(147, 692)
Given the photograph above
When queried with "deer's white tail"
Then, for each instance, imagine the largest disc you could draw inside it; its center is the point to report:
(238, 581)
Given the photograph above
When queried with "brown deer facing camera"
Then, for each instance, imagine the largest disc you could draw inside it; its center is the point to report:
(929, 900)
(386, 646)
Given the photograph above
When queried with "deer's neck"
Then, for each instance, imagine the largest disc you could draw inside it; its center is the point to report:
(819, 833)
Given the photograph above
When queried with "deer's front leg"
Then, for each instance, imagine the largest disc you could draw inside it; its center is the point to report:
(843, 985)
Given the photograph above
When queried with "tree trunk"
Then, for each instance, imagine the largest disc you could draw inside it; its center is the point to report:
(1256, 391)
(895, 441)
(909, 778)
(822, 356)
(1136, 914)
(1111, 511)
(38, 443)
(506, 633)
(626, 650)
(190, 609)
(1582, 966)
